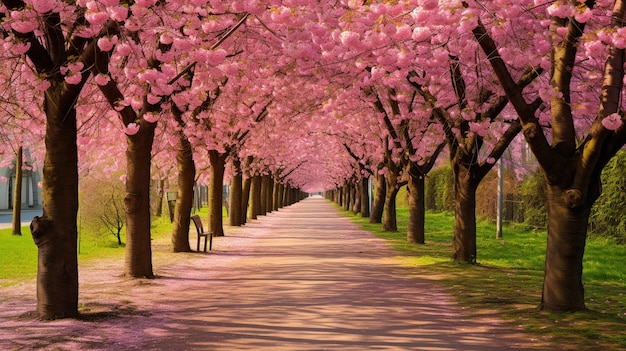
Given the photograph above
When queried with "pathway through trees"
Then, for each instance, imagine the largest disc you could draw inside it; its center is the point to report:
(302, 278)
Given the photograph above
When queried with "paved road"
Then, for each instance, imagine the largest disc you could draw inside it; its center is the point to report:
(302, 278)
(314, 281)
(6, 217)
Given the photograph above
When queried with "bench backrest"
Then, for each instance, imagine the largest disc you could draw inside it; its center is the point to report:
(198, 222)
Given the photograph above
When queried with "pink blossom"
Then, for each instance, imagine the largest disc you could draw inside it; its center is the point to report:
(491, 160)
(350, 39)
(151, 117)
(20, 48)
(118, 13)
(429, 4)
(561, 10)
(612, 121)
(43, 6)
(96, 18)
(123, 49)
(131, 129)
(216, 57)
(23, 22)
(153, 99)
(102, 79)
(42, 85)
(594, 48)
(73, 78)
(107, 43)
(584, 16)
(619, 39)
(145, 3)
(166, 38)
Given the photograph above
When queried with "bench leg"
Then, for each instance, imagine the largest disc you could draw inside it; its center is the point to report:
(210, 242)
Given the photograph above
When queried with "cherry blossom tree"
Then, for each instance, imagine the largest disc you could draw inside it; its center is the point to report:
(579, 129)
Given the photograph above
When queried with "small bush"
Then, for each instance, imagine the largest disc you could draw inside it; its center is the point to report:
(607, 215)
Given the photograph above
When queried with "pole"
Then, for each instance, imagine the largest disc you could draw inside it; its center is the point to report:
(500, 199)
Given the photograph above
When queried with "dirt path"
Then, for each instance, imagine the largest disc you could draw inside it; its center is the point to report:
(302, 278)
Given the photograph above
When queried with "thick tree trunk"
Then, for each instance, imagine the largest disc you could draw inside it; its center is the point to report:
(184, 197)
(276, 195)
(281, 194)
(216, 186)
(379, 200)
(55, 233)
(268, 186)
(236, 190)
(346, 197)
(567, 231)
(390, 223)
(17, 194)
(245, 199)
(417, 212)
(255, 197)
(464, 244)
(365, 198)
(356, 195)
(264, 191)
(138, 261)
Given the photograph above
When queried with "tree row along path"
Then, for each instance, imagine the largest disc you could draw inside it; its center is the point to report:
(301, 278)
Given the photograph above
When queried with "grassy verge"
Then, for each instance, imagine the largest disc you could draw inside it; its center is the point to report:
(508, 279)
(18, 254)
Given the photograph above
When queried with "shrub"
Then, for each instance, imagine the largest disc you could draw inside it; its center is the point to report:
(607, 215)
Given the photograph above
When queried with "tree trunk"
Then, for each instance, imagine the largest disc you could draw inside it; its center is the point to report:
(268, 185)
(275, 195)
(255, 197)
(138, 261)
(236, 192)
(55, 233)
(356, 196)
(245, 199)
(379, 200)
(417, 212)
(160, 194)
(184, 197)
(216, 186)
(17, 194)
(365, 198)
(464, 245)
(281, 194)
(567, 231)
(390, 223)
(264, 189)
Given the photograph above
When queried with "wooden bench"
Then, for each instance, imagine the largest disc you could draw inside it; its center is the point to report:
(201, 233)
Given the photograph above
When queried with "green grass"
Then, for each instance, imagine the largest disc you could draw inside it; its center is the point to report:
(508, 279)
(18, 257)
(18, 254)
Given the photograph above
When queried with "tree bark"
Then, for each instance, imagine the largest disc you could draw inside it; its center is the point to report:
(390, 223)
(417, 212)
(464, 244)
(365, 198)
(216, 186)
(245, 199)
(255, 197)
(184, 197)
(267, 193)
(236, 195)
(55, 233)
(138, 261)
(379, 200)
(567, 231)
(17, 194)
